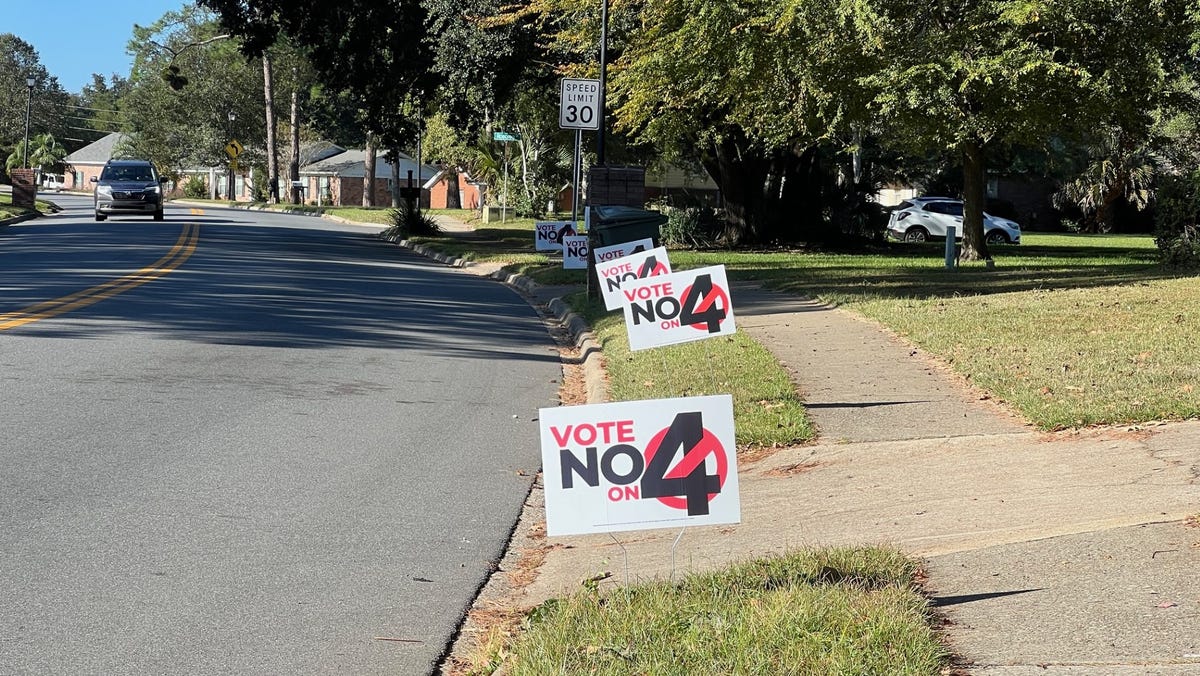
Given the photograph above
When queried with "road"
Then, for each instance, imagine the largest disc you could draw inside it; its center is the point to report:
(241, 443)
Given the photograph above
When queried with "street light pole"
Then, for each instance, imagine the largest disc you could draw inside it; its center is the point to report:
(603, 82)
(229, 179)
(29, 82)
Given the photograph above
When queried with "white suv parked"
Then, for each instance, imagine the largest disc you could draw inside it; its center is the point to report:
(923, 218)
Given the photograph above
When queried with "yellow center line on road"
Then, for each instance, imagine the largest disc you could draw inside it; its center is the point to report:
(183, 249)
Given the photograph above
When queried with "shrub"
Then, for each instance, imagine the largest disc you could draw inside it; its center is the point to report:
(1177, 220)
(693, 227)
(195, 187)
(409, 222)
(260, 188)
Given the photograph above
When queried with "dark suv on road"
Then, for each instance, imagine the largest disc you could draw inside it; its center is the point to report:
(128, 187)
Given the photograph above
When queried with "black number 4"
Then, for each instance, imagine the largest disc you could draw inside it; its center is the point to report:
(699, 293)
(686, 432)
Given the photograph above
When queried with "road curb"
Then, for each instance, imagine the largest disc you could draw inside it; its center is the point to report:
(18, 219)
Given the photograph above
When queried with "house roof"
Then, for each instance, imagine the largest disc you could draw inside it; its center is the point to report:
(97, 152)
(317, 151)
(350, 164)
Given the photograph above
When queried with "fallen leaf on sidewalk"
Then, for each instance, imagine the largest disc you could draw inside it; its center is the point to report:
(1167, 604)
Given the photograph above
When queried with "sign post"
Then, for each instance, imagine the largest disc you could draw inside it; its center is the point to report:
(233, 149)
(505, 137)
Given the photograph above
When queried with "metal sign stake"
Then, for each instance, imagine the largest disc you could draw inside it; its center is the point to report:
(625, 552)
(673, 547)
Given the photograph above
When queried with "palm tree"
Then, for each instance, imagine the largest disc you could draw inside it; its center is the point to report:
(45, 152)
(1119, 168)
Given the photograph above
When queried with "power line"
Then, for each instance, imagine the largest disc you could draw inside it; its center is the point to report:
(98, 110)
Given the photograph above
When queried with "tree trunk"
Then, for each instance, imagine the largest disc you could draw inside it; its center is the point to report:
(974, 246)
(272, 143)
(742, 173)
(294, 165)
(453, 196)
(368, 199)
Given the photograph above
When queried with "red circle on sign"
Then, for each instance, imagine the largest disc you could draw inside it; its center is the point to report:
(718, 294)
(708, 444)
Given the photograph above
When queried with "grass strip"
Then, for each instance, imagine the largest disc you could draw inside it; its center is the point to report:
(7, 210)
(767, 410)
(822, 611)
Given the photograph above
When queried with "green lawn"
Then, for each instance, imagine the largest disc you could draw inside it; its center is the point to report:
(831, 611)
(7, 210)
(1071, 330)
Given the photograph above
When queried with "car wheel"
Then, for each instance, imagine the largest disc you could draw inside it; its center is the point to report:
(996, 237)
(916, 234)
(158, 215)
(100, 216)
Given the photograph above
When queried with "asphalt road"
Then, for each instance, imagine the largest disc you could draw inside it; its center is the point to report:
(280, 447)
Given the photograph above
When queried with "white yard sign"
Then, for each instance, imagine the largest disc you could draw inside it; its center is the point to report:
(548, 234)
(616, 273)
(579, 104)
(575, 252)
(606, 254)
(636, 465)
(677, 308)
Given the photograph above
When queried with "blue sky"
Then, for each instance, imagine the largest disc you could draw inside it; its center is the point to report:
(75, 38)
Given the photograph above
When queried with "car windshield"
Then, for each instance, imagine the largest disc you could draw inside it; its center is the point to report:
(134, 173)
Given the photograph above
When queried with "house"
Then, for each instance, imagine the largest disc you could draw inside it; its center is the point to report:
(87, 162)
(470, 191)
(337, 179)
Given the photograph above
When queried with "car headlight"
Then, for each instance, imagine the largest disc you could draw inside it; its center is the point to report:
(104, 191)
(154, 189)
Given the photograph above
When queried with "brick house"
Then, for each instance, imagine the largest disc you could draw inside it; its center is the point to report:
(337, 179)
(86, 163)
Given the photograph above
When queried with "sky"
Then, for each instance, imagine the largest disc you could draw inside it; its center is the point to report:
(75, 38)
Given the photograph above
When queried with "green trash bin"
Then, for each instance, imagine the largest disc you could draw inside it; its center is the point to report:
(618, 224)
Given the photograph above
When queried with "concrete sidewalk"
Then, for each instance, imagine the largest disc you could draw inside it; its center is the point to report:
(1048, 553)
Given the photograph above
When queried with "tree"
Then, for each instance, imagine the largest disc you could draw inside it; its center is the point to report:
(754, 91)
(370, 54)
(478, 63)
(96, 110)
(19, 61)
(191, 125)
(445, 147)
(972, 77)
(45, 152)
(1118, 168)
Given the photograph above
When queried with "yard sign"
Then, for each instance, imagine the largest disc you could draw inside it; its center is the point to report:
(615, 273)
(548, 234)
(575, 252)
(677, 308)
(636, 465)
(610, 253)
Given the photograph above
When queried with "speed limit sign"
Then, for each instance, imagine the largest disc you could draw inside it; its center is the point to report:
(579, 106)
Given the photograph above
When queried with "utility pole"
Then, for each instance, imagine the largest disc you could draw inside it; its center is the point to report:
(29, 82)
(603, 80)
